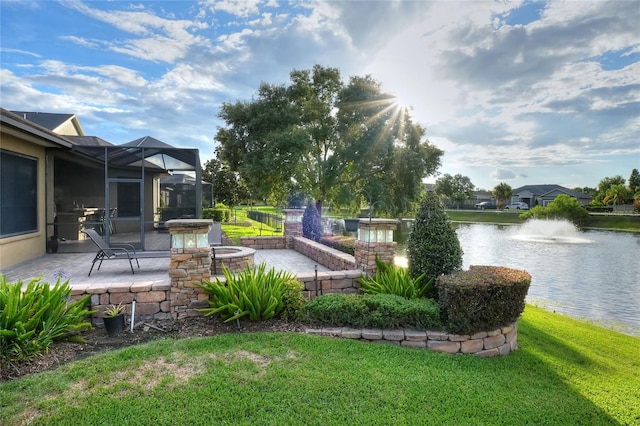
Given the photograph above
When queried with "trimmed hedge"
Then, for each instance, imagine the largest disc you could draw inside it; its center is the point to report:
(482, 298)
(340, 242)
(217, 214)
(372, 311)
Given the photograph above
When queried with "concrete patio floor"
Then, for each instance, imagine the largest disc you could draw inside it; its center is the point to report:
(75, 267)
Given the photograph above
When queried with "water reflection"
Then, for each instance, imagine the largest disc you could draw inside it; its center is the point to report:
(592, 275)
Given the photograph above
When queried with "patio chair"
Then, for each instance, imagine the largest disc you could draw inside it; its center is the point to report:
(117, 251)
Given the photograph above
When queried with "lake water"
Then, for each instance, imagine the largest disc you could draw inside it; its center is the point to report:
(592, 275)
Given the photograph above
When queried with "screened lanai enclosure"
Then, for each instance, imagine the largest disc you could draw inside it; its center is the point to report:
(116, 190)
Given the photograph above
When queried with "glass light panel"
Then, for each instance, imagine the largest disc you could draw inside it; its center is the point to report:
(189, 241)
(203, 240)
(177, 241)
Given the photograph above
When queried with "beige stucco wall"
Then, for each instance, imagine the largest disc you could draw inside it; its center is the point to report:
(67, 128)
(20, 248)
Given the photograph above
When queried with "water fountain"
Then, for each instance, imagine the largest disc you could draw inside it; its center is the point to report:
(550, 231)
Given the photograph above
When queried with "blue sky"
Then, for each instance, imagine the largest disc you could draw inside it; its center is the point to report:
(515, 92)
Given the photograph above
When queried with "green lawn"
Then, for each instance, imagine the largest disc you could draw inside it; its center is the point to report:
(612, 222)
(241, 226)
(565, 372)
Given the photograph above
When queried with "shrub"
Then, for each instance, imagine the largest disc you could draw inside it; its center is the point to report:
(255, 293)
(311, 225)
(392, 311)
(292, 299)
(482, 298)
(375, 311)
(220, 213)
(433, 247)
(391, 279)
(32, 319)
(338, 310)
(340, 242)
(562, 207)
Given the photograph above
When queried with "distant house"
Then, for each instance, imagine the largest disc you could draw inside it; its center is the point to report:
(541, 195)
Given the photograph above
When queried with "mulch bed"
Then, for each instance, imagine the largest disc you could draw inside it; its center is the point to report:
(98, 341)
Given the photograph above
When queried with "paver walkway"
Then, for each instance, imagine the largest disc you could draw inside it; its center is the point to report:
(75, 267)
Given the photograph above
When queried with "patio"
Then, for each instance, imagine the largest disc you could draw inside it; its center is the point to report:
(75, 267)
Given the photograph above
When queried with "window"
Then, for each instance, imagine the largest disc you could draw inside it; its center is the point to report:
(18, 194)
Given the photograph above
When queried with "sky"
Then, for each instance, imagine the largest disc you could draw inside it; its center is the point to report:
(518, 92)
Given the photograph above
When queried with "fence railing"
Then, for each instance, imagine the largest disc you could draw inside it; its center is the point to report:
(272, 220)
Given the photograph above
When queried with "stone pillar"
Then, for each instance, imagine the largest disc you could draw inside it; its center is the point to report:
(190, 264)
(292, 224)
(375, 237)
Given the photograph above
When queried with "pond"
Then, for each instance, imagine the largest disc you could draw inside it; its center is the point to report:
(592, 275)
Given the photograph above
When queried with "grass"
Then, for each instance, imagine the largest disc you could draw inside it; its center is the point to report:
(241, 226)
(565, 372)
(612, 222)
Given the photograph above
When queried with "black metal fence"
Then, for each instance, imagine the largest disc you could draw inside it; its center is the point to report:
(272, 220)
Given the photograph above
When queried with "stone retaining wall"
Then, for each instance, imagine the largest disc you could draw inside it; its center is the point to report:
(329, 282)
(326, 256)
(486, 344)
(263, 243)
(152, 299)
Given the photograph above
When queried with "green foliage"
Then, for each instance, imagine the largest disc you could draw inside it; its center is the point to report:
(392, 279)
(562, 207)
(456, 188)
(482, 298)
(31, 319)
(338, 310)
(372, 311)
(324, 138)
(292, 300)
(433, 248)
(255, 293)
(217, 214)
(345, 244)
(311, 225)
(114, 311)
(227, 186)
(502, 192)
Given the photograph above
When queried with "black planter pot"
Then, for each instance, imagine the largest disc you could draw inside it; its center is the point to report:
(114, 325)
(351, 225)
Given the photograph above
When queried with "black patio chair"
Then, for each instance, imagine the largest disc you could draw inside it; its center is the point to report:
(118, 251)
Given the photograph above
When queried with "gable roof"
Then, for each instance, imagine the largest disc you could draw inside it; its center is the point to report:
(541, 190)
(25, 129)
(51, 121)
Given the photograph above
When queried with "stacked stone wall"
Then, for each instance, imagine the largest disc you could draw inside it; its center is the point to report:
(233, 258)
(264, 243)
(326, 256)
(501, 341)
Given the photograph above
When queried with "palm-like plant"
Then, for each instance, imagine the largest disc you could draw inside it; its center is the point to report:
(391, 279)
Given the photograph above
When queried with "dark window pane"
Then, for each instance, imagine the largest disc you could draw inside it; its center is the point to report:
(18, 194)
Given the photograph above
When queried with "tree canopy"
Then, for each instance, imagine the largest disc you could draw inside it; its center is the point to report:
(456, 188)
(502, 192)
(342, 144)
(227, 187)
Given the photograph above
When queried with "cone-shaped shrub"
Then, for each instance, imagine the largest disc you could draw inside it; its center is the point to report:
(433, 247)
(311, 225)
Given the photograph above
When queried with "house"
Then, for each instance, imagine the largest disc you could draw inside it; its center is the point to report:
(541, 195)
(53, 185)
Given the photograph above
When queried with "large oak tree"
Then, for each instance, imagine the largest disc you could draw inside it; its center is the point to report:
(343, 144)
